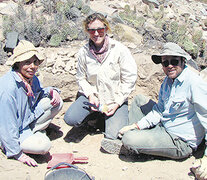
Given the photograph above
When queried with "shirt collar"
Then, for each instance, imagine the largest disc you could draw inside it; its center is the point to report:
(15, 75)
(182, 75)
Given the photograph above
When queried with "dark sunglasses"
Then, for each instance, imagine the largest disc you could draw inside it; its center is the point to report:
(173, 62)
(99, 30)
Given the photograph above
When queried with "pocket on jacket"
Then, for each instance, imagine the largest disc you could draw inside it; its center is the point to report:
(114, 71)
(177, 104)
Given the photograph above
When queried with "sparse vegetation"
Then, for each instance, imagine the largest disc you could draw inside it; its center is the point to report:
(61, 21)
(41, 31)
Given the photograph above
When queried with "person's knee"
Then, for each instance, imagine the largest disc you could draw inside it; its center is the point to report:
(128, 139)
(141, 100)
(55, 110)
(133, 139)
(71, 118)
(59, 107)
(37, 144)
(76, 114)
(112, 128)
(43, 147)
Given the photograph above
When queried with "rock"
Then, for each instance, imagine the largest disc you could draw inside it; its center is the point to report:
(70, 65)
(126, 33)
(11, 41)
(170, 14)
(154, 2)
(74, 12)
(59, 64)
(8, 8)
(1, 29)
(204, 35)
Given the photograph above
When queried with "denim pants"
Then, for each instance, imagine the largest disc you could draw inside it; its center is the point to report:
(77, 114)
(156, 140)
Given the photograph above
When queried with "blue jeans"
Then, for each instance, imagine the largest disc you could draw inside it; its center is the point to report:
(154, 141)
(77, 114)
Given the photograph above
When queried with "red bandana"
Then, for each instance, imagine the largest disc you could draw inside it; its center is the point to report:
(101, 53)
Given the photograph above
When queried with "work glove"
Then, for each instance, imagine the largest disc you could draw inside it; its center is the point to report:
(27, 160)
(199, 168)
(127, 128)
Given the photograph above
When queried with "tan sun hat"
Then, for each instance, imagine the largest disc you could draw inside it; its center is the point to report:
(25, 50)
(170, 49)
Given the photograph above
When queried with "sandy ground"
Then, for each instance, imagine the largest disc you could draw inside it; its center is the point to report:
(83, 142)
(101, 166)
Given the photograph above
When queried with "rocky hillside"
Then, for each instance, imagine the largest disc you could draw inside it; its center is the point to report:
(143, 25)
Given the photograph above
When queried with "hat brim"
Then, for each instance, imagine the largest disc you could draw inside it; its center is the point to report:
(157, 59)
(26, 56)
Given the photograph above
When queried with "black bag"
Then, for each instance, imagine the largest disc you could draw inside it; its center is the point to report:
(68, 173)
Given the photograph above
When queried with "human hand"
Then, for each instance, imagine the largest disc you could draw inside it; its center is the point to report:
(27, 160)
(55, 101)
(111, 109)
(199, 168)
(93, 100)
(127, 128)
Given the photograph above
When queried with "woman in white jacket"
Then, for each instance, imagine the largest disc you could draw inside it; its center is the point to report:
(106, 75)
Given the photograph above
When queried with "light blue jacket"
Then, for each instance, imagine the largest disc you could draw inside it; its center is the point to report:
(181, 108)
(17, 110)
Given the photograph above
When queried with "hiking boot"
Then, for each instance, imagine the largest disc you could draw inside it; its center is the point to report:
(114, 146)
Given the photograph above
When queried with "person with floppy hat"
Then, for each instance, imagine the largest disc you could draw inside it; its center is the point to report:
(177, 124)
(26, 109)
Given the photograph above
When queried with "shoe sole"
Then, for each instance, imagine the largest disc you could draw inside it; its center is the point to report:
(114, 147)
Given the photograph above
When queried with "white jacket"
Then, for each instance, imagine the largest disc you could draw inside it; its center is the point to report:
(113, 79)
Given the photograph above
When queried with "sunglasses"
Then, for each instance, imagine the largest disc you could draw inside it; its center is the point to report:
(173, 62)
(99, 30)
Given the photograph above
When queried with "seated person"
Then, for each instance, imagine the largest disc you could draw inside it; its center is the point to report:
(177, 124)
(106, 75)
(26, 109)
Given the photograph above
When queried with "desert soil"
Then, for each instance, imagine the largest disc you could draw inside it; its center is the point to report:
(84, 142)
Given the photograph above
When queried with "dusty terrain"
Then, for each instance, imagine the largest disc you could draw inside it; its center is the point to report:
(86, 142)
(101, 165)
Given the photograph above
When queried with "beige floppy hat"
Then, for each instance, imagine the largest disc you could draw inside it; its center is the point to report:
(170, 49)
(25, 50)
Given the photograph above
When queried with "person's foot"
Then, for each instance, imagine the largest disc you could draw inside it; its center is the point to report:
(114, 146)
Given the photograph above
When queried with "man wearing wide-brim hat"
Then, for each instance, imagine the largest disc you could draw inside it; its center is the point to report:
(26, 109)
(177, 124)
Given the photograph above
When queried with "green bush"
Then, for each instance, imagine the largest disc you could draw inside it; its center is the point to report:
(40, 30)
(174, 26)
(55, 40)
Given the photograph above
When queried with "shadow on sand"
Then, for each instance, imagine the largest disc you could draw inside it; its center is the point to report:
(93, 124)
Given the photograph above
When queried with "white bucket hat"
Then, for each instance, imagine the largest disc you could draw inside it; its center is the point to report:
(25, 50)
(170, 49)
